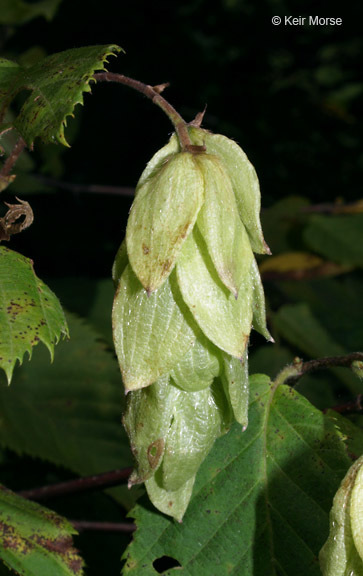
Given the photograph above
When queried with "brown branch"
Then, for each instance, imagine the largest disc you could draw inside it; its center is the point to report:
(11, 160)
(81, 525)
(153, 93)
(292, 373)
(353, 407)
(105, 480)
(86, 188)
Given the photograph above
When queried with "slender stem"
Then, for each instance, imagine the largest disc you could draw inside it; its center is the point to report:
(292, 373)
(154, 95)
(105, 480)
(81, 525)
(87, 188)
(11, 160)
(354, 406)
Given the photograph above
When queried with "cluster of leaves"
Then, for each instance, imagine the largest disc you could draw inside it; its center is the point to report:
(262, 498)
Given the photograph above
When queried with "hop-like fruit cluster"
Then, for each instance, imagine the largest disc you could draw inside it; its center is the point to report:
(188, 293)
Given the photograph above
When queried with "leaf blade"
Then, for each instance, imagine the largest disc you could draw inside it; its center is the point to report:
(29, 311)
(35, 540)
(57, 84)
(279, 464)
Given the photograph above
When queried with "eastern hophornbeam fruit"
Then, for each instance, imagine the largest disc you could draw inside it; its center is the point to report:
(188, 292)
(342, 553)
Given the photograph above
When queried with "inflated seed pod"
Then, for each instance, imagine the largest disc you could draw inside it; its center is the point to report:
(225, 320)
(187, 291)
(146, 428)
(220, 225)
(151, 332)
(243, 178)
(161, 218)
(342, 553)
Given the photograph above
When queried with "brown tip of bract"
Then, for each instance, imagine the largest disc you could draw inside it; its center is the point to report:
(267, 249)
(197, 122)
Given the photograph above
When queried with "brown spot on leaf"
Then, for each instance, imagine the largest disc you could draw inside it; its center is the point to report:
(154, 452)
(145, 249)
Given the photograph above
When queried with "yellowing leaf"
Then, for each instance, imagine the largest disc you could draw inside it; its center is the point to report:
(151, 333)
(35, 540)
(291, 261)
(161, 218)
(225, 320)
(219, 223)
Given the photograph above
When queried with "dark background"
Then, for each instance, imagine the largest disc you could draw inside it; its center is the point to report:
(290, 96)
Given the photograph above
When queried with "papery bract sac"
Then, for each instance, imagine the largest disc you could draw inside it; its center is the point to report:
(188, 292)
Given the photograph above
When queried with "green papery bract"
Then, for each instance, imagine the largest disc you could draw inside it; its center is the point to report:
(259, 306)
(147, 419)
(158, 160)
(119, 264)
(220, 225)
(195, 426)
(174, 503)
(236, 383)
(197, 369)
(161, 217)
(340, 556)
(244, 182)
(151, 333)
(225, 320)
(356, 512)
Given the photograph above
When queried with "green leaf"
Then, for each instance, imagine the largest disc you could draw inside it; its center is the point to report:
(56, 85)
(300, 327)
(244, 181)
(161, 218)
(219, 223)
(68, 413)
(151, 333)
(225, 320)
(197, 369)
(35, 540)
(18, 12)
(338, 238)
(29, 311)
(342, 553)
(271, 485)
(147, 419)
